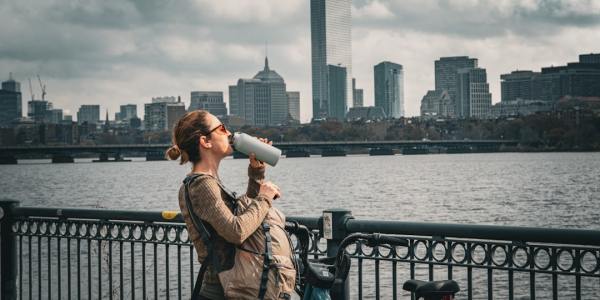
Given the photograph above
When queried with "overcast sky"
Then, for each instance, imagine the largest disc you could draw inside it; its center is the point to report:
(116, 52)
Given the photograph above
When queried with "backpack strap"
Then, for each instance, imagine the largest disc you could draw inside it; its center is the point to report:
(232, 196)
(264, 279)
(205, 235)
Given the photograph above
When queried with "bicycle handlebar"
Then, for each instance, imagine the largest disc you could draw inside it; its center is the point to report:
(372, 240)
(380, 239)
(302, 234)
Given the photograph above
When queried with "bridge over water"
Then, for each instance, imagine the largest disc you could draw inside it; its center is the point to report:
(66, 153)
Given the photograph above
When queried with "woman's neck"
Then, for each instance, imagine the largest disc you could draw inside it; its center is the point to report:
(207, 166)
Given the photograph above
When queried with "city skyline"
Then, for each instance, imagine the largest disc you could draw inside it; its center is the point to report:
(186, 54)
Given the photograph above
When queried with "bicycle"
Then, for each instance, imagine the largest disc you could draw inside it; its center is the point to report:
(330, 273)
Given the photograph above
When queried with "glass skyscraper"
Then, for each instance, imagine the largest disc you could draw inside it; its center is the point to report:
(389, 88)
(331, 44)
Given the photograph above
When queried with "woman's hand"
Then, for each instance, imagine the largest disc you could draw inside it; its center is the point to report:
(269, 190)
(254, 163)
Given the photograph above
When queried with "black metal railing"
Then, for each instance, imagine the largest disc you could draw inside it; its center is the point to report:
(49, 253)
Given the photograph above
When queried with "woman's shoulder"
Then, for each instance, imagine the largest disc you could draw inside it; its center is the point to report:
(202, 182)
(196, 178)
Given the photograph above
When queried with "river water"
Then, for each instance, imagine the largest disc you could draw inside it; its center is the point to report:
(560, 190)
(538, 189)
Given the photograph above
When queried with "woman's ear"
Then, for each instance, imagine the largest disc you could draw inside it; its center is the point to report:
(205, 143)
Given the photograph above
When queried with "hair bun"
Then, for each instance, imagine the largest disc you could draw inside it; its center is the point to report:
(174, 152)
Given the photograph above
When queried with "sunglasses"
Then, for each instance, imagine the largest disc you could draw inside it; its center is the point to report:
(221, 128)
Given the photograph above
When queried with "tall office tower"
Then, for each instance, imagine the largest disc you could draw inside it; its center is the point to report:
(592, 58)
(262, 100)
(10, 101)
(89, 114)
(517, 85)
(209, 101)
(473, 94)
(37, 110)
(337, 103)
(331, 44)
(294, 104)
(128, 112)
(389, 88)
(446, 69)
(357, 95)
(162, 113)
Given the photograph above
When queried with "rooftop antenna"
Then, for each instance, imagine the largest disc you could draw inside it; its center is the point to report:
(31, 90)
(266, 56)
(42, 86)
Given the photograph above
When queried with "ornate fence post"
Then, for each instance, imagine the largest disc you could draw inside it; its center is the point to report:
(8, 251)
(334, 230)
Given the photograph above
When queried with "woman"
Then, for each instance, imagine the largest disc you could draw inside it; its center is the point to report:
(239, 226)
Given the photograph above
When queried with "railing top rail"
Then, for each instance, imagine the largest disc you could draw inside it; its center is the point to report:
(467, 231)
(100, 214)
(474, 231)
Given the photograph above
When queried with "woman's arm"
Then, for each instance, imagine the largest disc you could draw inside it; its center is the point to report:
(256, 175)
(205, 195)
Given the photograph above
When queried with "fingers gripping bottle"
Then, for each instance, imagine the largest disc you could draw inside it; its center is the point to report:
(248, 144)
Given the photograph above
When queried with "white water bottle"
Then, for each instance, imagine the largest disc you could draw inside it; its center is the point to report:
(248, 144)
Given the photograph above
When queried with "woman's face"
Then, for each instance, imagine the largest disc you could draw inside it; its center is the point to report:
(219, 137)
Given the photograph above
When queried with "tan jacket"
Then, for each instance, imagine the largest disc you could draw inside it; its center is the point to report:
(211, 205)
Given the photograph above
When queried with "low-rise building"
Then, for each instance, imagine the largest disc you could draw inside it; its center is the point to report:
(162, 113)
(372, 113)
(437, 104)
(520, 107)
(357, 95)
(208, 100)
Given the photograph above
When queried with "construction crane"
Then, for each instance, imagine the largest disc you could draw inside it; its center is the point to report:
(31, 90)
(43, 87)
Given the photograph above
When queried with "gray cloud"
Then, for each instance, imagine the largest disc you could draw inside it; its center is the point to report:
(483, 18)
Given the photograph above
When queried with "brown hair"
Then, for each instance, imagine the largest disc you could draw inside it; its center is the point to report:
(186, 135)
